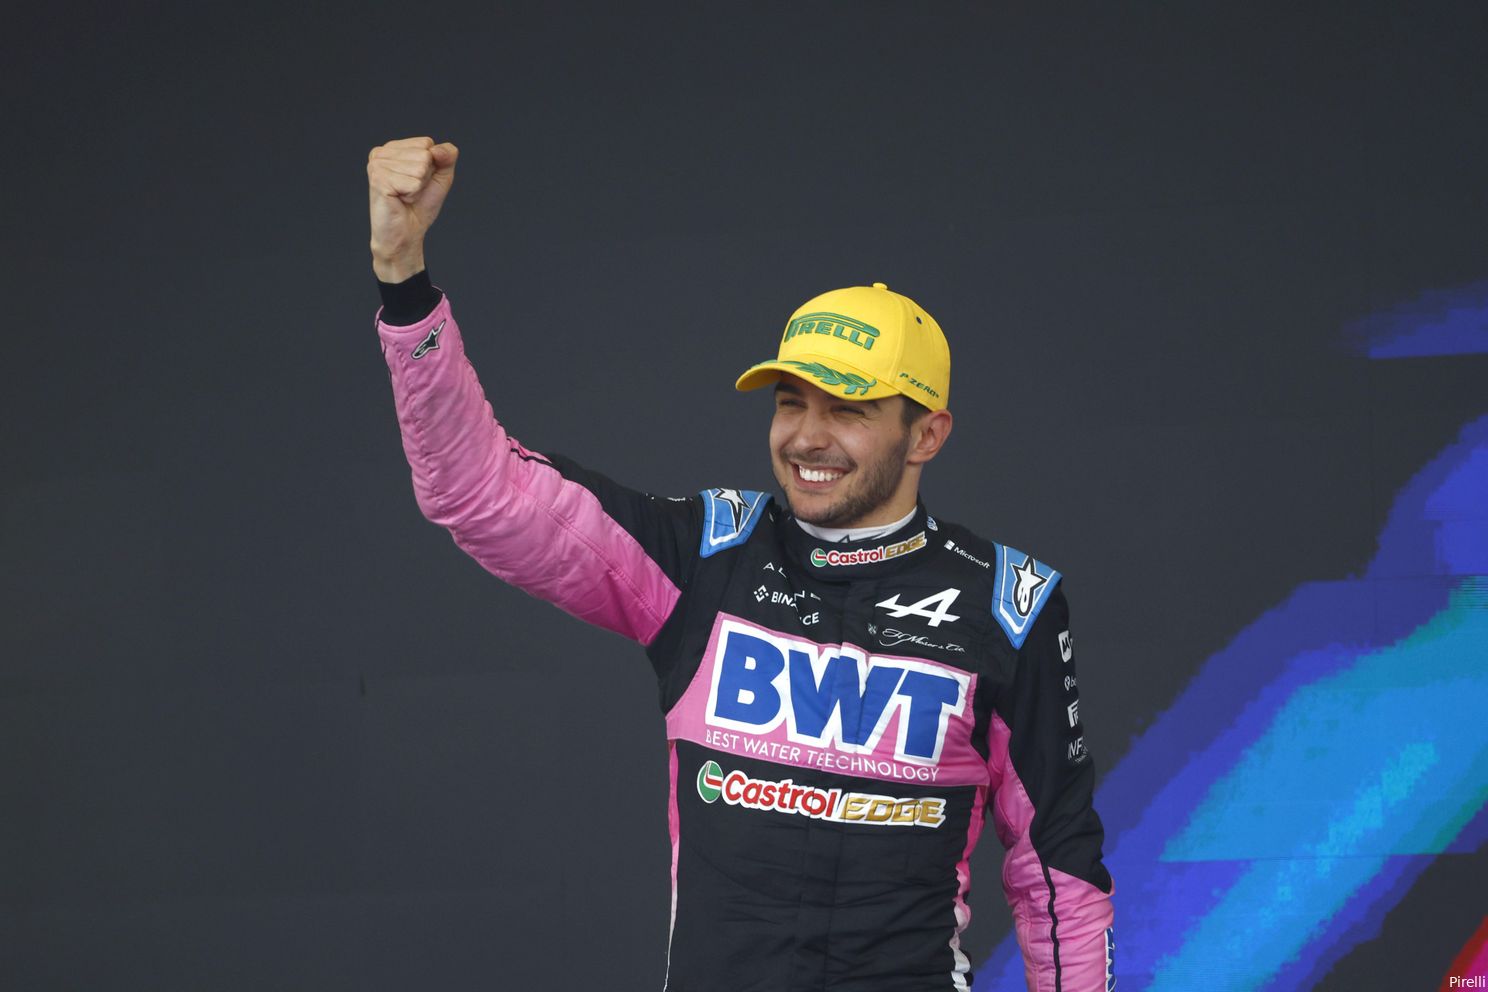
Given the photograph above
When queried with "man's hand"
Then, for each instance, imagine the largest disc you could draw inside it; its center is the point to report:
(407, 182)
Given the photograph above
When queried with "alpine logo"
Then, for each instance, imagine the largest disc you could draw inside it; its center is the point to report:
(430, 342)
(941, 601)
(824, 558)
(785, 796)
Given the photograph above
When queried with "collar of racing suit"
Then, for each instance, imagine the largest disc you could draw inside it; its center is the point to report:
(904, 547)
(838, 535)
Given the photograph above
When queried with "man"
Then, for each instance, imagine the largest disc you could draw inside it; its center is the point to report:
(849, 683)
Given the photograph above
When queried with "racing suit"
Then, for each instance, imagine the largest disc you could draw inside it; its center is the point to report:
(840, 717)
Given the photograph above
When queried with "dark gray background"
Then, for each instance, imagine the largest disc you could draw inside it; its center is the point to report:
(265, 727)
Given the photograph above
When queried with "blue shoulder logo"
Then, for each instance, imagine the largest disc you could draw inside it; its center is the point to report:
(729, 516)
(1020, 589)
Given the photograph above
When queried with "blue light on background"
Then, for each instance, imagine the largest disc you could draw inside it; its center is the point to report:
(1265, 823)
(1438, 322)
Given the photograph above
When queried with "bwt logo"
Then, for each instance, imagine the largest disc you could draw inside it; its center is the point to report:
(830, 696)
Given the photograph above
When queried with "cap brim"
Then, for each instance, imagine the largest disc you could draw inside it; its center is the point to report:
(830, 374)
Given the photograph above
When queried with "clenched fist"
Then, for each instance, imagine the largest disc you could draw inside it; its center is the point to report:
(407, 181)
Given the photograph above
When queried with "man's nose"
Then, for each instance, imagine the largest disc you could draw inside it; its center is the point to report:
(812, 432)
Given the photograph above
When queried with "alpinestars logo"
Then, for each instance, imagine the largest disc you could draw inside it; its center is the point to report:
(821, 557)
(1029, 583)
(429, 343)
(785, 796)
(735, 501)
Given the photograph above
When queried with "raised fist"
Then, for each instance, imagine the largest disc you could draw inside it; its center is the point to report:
(407, 181)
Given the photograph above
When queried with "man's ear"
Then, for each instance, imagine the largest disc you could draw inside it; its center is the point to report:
(928, 435)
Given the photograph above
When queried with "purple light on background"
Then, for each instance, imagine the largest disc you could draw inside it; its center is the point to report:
(1438, 322)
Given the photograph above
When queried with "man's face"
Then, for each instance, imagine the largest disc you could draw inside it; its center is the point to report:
(837, 460)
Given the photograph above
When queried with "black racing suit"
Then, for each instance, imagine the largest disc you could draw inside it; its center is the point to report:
(841, 718)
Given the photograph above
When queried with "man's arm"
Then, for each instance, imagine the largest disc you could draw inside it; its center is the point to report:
(409, 301)
(609, 555)
(1053, 877)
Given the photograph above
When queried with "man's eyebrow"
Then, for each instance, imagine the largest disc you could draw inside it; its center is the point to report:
(791, 389)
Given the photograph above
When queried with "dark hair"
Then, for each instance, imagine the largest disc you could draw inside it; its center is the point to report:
(911, 412)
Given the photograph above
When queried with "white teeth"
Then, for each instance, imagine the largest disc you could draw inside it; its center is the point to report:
(814, 475)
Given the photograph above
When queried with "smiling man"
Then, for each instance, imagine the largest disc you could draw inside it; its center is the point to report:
(848, 452)
(851, 685)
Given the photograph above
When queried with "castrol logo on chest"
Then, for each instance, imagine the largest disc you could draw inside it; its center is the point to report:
(835, 707)
(738, 789)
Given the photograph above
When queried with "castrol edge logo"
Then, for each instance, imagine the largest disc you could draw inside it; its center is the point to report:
(822, 557)
(785, 796)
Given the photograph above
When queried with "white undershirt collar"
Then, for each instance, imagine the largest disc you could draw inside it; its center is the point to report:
(838, 534)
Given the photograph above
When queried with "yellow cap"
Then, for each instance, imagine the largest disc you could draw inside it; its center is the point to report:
(862, 343)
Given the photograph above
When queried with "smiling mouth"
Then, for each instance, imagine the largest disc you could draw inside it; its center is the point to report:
(817, 476)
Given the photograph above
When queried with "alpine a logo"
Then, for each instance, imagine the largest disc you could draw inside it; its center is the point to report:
(824, 557)
(941, 601)
(785, 796)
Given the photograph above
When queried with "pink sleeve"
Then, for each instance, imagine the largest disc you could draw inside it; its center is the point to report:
(509, 508)
(1063, 923)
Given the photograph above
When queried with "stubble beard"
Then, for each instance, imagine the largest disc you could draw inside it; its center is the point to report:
(876, 487)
